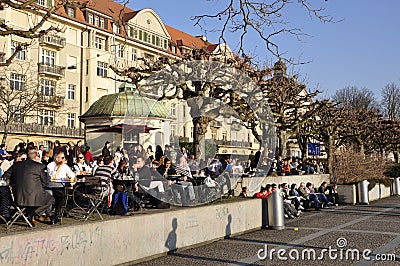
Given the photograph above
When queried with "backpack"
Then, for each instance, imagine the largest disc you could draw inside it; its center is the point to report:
(120, 206)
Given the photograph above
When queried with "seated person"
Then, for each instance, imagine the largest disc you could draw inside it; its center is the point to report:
(321, 197)
(288, 208)
(305, 193)
(333, 195)
(56, 171)
(244, 193)
(291, 199)
(186, 182)
(81, 166)
(143, 173)
(29, 180)
(263, 194)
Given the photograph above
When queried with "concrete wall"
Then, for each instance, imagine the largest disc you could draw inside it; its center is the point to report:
(128, 239)
(348, 193)
(379, 192)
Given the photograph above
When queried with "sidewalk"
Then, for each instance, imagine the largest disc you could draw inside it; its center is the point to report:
(348, 229)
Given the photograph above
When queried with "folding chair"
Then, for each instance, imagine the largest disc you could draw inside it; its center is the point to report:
(95, 200)
(19, 212)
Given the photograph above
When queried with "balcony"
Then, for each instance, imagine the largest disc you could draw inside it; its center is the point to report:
(53, 101)
(53, 41)
(52, 70)
(32, 129)
(233, 143)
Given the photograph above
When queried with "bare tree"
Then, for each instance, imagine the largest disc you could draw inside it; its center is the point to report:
(21, 94)
(391, 101)
(267, 19)
(360, 99)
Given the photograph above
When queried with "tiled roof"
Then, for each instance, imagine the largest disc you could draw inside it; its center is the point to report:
(113, 9)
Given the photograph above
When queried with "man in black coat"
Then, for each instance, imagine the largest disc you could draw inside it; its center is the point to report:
(29, 180)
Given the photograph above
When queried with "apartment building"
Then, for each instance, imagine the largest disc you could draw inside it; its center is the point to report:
(72, 68)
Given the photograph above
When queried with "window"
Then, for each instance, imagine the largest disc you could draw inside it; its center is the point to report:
(173, 48)
(184, 111)
(17, 82)
(120, 51)
(153, 39)
(47, 87)
(41, 2)
(48, 57)
(87, 94)
(184, 131)
(134, 54)
(90, 19)
(71, 12)
(158, 43)
(140, 35)
(165, 44)
(102, 23)
(21, 55)
(224, 136)
(213, 135)
(71, 91)
(173, 106)
(135, 34)
(71, 120)
(192, 132)
(96, 20)
(102, 69)
(87, 67)
(173, 130)
(145, 36)
(99, 43)
(16, 115)
(46, 117)
(148, 38)
(116, 29)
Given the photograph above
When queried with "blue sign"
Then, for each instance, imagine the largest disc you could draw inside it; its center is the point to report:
(314, 149)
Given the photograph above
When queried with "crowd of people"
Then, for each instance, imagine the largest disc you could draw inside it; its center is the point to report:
(167, 175)
(296, 199)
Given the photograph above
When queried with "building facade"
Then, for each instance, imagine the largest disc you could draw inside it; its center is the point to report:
(72, 68)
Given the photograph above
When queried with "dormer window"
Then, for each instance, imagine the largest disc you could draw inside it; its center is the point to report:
(41, 2)
(173, 49)
(90, 19)
(116, 29)
(71, 12)
(101, 23)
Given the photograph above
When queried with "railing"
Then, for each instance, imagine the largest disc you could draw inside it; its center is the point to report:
(48, 100)
(42, 130)
(233, 143)
(53, 40)
(51, 70)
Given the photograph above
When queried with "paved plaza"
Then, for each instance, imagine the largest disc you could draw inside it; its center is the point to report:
(335, 235)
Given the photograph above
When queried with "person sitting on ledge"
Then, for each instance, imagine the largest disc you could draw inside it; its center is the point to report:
(321, 197)
(244, 192)
(305, 193)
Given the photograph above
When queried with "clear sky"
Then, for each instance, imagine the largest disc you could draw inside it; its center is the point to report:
(361, 50)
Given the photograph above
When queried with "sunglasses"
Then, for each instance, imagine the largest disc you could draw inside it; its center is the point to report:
(80, 157)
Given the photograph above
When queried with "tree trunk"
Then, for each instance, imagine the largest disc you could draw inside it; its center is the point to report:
(199, 130)
(281, 144)
(329, 151)
(3, 141)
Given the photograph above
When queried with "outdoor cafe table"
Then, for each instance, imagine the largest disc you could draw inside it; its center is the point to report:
(69, 185)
